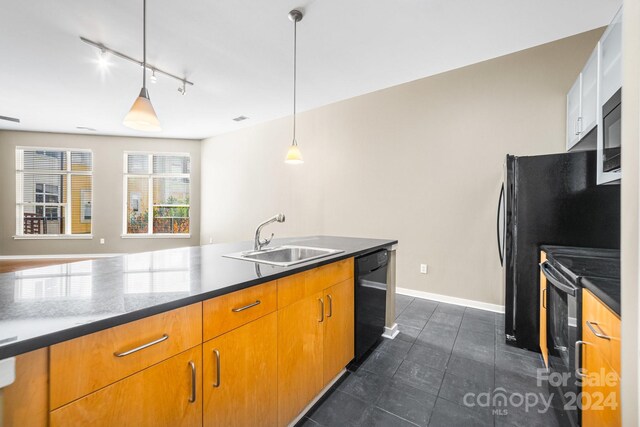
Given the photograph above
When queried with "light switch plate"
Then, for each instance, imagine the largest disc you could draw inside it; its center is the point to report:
(424, 269)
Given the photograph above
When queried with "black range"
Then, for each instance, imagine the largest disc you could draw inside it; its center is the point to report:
(595, 269)
(43, 306)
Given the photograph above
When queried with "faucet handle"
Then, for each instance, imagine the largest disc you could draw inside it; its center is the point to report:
(265, 242)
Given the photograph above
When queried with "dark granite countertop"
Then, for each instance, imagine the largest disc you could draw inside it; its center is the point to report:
(595, 269)
(43, 306)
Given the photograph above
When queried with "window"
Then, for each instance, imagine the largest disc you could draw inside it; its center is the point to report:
(54, 190)
(157, 192)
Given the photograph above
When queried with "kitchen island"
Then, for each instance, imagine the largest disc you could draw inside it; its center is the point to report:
(182, 335)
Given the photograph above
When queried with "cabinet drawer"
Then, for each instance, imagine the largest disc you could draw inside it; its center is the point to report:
(299, 286)
(604, 322)
(330, 274)
(227, 312)
(600, 390)
(83, 365)
(168, 394)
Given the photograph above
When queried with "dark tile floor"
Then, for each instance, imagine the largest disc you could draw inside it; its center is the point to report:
(443, 353)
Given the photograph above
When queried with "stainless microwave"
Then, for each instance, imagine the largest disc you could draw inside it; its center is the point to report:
(611, 133)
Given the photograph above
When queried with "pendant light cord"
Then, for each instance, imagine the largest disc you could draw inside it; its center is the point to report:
(295, 25)
(144, 44)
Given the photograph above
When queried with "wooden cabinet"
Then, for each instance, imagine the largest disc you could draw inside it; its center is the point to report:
(338, 328)
(240, 376)
(83, 365)
(227, 312)
(300, 354)
(600, 363)
(543, 314)
(166, 394)
(269, 351)
(315, 334)
(26, 400)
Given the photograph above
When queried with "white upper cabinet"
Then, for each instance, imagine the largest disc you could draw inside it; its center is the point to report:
(611, 59)
(573, 113)
(582, 102)
(600, 79)
(589, 95)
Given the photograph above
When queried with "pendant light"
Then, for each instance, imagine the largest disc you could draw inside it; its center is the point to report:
(294, 156)
(142, 116)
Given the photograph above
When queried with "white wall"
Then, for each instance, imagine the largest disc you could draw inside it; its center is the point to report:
(107, 193)
(630, 231)
(420, 162)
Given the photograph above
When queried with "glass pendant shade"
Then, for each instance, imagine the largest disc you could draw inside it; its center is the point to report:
(294, 156)
(142, 116)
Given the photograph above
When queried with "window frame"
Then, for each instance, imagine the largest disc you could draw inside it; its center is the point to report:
(150, 176)
(68, 173)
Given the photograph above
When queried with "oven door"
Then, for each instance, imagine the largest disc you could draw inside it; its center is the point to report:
(563, 310)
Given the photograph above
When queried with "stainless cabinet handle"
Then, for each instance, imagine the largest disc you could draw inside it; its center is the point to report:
(239, 309)
(216, 383)
(579, 126)
(577, 359)
(321, 310)
(544, 298)
(194, 380)
(330, 306)
(142, 347)
(599, 335)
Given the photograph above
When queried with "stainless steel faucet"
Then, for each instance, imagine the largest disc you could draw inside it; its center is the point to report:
(259, 243)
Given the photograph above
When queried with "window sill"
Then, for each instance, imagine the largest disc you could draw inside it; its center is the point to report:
(155, 236)
(54, 237)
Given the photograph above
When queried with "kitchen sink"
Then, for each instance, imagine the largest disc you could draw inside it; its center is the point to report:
(284, 256)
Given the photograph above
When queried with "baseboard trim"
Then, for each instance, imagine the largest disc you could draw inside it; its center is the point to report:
(318, 397)
(451, 300)
(392, 332)
(60, 256)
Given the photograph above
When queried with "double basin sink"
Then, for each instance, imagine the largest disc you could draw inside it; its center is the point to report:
(284, 256)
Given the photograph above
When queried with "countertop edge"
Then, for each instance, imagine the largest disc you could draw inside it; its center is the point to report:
(21, 347)
(601, 295)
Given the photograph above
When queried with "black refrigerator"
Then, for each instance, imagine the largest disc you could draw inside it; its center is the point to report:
(550, 199)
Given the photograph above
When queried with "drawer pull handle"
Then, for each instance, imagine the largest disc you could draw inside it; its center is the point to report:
(194, 379)
(600, 334)
(330, 306)
(239, 309)
(321, 310)
(216, 383)
(142, 347)
(577, 358)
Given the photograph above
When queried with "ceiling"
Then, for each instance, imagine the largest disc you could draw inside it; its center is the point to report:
(239, 54)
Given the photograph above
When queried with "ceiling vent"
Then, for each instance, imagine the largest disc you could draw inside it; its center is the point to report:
(240, 118)
(10, 119)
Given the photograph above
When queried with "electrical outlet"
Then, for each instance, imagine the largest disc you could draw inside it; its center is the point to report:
(210, 240)
(102, 241)
(424, 269)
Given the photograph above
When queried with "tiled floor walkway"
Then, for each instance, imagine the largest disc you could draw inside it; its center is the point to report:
(421, 378)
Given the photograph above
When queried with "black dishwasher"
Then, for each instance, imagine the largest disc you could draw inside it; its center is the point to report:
(370, 300)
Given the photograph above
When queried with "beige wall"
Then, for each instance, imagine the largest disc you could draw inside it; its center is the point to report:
(420, 162)
(107, 193)
(630, 200)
